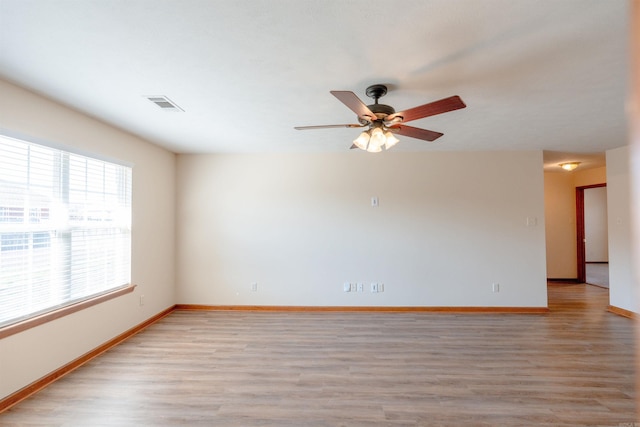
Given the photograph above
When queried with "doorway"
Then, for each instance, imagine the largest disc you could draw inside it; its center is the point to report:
(591, 233)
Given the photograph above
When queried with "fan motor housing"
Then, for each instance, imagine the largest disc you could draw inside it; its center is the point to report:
(380, 110)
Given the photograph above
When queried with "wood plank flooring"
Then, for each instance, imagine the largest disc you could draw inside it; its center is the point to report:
(573, 366)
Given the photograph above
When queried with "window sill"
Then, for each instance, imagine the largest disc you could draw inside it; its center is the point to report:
(61, 312)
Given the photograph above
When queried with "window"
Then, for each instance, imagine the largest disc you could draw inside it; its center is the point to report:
(65, 229)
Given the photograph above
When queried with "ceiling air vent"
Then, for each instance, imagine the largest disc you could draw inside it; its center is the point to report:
(163, 102)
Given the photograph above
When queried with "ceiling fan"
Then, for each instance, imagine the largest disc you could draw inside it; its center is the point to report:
(383, 121)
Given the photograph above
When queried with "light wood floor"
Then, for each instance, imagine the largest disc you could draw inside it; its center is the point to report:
(574, 366)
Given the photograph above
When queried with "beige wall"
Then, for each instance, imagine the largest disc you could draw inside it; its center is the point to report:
(28, 356)
(582, 178)
(448, 225)
(560, 221)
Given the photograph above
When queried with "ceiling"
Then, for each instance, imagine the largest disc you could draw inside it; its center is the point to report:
(535, 74)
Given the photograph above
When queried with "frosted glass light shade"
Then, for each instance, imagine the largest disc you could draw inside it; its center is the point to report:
(374, 148)
(569, 166)
(377, 140)
(362, 141)
(391, 140)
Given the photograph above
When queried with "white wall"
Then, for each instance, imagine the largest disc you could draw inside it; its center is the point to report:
(30, 355)
(622, 287)
(448, 225)
(595, 225)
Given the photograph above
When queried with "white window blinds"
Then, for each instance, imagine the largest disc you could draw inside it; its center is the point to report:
(65, 228)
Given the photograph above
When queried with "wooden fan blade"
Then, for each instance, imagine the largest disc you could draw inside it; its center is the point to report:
(329, 126)
(431, 109)
(410, 131)
(353, 102)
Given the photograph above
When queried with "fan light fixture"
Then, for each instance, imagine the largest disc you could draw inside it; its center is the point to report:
(373, 140)
(569, 166)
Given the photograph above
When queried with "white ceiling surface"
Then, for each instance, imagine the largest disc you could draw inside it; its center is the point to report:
(535, 74)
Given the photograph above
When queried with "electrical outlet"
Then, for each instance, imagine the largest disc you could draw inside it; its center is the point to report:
(496, 287)
(354, 287)
(254, 286)
(360, 287)
(380, 287)
(374, 287)
(346, 287)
